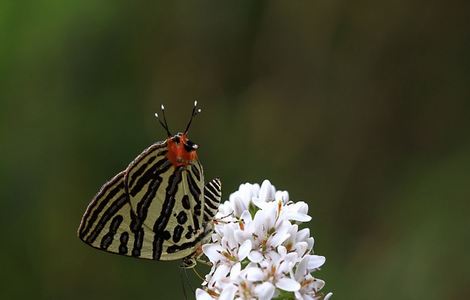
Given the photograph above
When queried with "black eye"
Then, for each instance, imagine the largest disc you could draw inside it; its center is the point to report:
(190, 146)
(176, 139)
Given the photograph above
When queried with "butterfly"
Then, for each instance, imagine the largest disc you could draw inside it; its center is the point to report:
(157, 208)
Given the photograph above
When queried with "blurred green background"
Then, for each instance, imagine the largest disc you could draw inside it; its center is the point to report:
(360, 108)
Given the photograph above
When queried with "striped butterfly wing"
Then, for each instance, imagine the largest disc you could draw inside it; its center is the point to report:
(212, 195)
(106, 222)
(110, 222)
(168, 202)
(153, 209)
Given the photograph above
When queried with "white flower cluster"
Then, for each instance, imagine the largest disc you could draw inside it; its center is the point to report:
(258, 251)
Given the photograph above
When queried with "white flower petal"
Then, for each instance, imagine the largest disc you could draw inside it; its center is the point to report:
(202, 295)
(296, 216)
(291, 257)
(264, 291)
(285, 267)
(281, 235)
(301, 269)
(255, 256)
(267, 191)
(297, 212)
(282, 195)
(229, 235)
(228, 293)
(310, 243)
(301, 248)
(300, 296)
(302, 235)
(279, 238)
(258, 223)
(282, 250)
(273, 257)
(260, 203)
(235, 271)
(241, 236)
(212, 251)
(254, 274)
(315, 261)
(328, 296)
(288, 284)
(245, 192)
(318, 284)
(288, 263)
(244, 250)
(270, 215)
(246, 216)
(220, 272)
(301, 207)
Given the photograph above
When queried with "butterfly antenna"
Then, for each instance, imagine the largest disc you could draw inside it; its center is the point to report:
(194, 112)
(164, 123)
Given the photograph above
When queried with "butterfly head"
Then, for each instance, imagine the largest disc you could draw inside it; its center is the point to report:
(181, 150)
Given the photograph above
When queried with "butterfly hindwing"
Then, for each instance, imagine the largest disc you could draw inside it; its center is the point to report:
(212, 195)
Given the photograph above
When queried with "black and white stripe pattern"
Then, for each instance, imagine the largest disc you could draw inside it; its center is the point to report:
(212, 195)
(107, 217)
(152, 209)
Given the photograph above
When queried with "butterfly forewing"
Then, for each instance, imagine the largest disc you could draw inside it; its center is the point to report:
(106, 222)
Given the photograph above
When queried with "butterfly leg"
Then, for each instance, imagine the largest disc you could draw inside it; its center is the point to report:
(204, 262)
(188, 262)
(183, 285)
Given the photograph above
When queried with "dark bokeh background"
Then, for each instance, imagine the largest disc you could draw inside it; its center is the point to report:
(361, 109)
